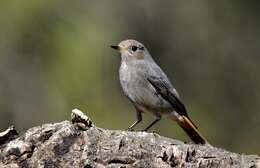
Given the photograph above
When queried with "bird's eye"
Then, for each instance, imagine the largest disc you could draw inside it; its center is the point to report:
(134, 48)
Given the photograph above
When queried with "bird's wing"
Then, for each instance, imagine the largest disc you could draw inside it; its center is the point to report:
(167, 92)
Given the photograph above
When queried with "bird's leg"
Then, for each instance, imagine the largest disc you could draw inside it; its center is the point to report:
(158, 118)
(139, 119)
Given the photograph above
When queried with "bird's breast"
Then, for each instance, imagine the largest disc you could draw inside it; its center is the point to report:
(138, 89)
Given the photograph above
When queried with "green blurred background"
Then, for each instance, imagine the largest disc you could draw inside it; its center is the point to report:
(55, 56)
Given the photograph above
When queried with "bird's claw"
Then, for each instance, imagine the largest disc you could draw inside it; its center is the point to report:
(130, 129)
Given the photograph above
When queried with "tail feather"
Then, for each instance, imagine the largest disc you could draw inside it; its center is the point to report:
(191, 130)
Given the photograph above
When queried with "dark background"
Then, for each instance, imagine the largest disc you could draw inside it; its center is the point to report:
(55, 56)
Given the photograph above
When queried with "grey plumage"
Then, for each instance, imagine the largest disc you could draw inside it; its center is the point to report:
(149, 89)
(133, 78)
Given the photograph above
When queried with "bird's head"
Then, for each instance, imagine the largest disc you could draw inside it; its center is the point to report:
(131, 50)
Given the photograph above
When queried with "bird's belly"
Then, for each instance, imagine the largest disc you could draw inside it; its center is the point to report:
(148, 102)
(143, 95)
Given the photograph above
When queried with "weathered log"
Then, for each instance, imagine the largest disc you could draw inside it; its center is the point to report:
(79, 143)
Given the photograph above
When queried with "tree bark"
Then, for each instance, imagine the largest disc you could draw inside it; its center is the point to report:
(79, 143)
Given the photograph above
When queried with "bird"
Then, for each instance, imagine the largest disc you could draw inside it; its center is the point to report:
(149, 89)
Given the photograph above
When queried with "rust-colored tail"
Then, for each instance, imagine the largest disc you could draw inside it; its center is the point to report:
(192, 131)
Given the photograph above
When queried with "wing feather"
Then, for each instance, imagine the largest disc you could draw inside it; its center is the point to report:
(167, 92)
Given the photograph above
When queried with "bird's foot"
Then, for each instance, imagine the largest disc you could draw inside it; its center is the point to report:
(130, 129)
(143, 130)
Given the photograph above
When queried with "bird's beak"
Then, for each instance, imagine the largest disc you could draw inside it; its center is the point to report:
(116, 47)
